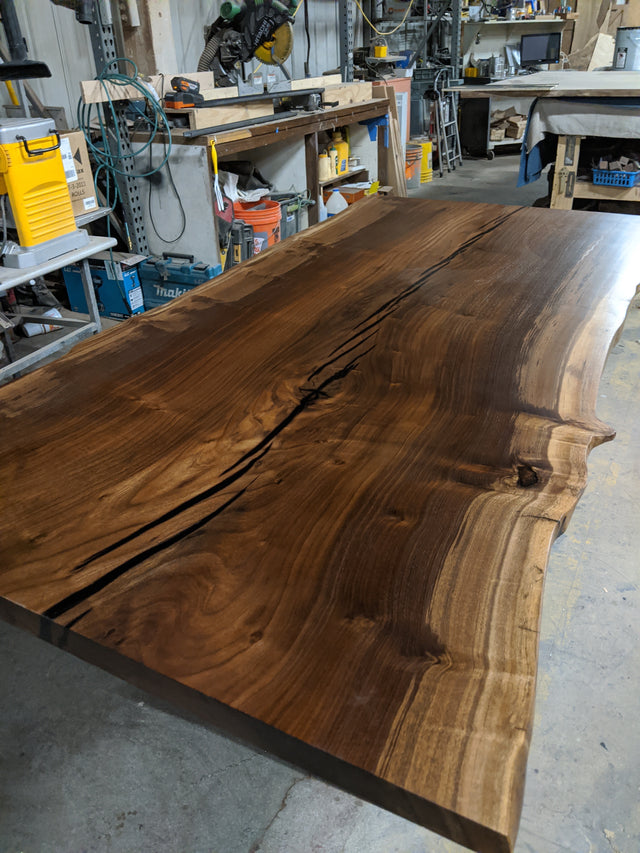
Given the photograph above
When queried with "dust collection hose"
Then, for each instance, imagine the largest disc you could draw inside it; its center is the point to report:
(17, 45)
(210, 50)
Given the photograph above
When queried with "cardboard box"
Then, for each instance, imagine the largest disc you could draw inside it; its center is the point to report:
(498, 116)
(350, 192)
(77, 170)
(516, 131)
(116, 283)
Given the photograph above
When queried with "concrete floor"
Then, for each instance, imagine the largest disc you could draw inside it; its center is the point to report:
(484, 181)
(89, 763)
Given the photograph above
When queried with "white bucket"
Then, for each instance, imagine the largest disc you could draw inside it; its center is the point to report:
(626, 55)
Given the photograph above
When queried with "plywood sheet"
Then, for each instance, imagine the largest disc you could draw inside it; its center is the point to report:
(203, 117)
(313, 500)
(562, 84)
(348, 93)
(316, 82)
(395, 154)
(97, 91)
(597, 52)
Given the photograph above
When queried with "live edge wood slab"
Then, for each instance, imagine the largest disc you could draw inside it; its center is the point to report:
(313, 501)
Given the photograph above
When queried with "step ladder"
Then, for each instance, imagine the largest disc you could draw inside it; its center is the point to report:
(449, 151)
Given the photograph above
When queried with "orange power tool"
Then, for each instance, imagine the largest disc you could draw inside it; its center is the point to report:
(186, 93)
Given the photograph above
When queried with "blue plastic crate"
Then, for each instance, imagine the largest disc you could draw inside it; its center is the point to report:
(615, 179)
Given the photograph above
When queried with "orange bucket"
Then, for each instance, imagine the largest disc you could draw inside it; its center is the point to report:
(264, 217)
(413, 165)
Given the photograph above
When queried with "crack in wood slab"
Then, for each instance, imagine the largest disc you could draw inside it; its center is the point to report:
(309, 397)
(248, 461)
(81, 595)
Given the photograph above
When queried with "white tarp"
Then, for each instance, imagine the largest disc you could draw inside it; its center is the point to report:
(581, 118)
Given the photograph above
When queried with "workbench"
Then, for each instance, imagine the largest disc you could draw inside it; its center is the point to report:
(305, 127)
(561, 84)
(289, 146)
(566, 185)
(312, 501)
(572, 105)
(78, 329)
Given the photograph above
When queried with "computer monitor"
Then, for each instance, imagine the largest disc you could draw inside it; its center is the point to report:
(539, 48)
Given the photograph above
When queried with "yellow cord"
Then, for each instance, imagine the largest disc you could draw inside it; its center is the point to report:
(12, 93)
(375, 29)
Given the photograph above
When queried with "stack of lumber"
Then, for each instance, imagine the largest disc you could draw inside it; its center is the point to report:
(515, 126)
(507, 123)
(339, 93)
(97, 91)
(395, 166)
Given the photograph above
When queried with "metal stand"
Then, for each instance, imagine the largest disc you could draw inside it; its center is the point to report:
(345, 8)
(105, 50)
(438, 9)
(78, 329)
(31, 256)
(456, 57)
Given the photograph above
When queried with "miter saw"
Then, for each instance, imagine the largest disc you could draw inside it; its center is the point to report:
(247, 28)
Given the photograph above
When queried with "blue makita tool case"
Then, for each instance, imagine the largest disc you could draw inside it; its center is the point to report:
(172, 275)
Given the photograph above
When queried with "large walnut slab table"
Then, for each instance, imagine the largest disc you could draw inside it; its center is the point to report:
(313, 501)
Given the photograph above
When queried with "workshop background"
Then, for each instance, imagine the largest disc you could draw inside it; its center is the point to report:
(91, 763)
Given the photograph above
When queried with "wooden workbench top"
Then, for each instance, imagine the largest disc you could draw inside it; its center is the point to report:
(561, 84)
(313, 500)
(296, 127)
(259, 135)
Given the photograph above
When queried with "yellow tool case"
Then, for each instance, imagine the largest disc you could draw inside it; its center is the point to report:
(32, 174)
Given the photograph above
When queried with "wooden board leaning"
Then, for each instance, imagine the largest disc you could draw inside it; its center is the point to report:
(313, 500)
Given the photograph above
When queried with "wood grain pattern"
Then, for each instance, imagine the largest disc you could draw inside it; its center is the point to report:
(313, 500)
(213, 116)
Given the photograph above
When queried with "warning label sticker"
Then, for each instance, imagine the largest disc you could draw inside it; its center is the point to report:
(135, 298)
(67, 161)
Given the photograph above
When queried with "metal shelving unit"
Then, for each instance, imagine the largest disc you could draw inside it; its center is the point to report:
(435, 41)
(360, 173)
(418, 33)
(105, 50)
(345, 9)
